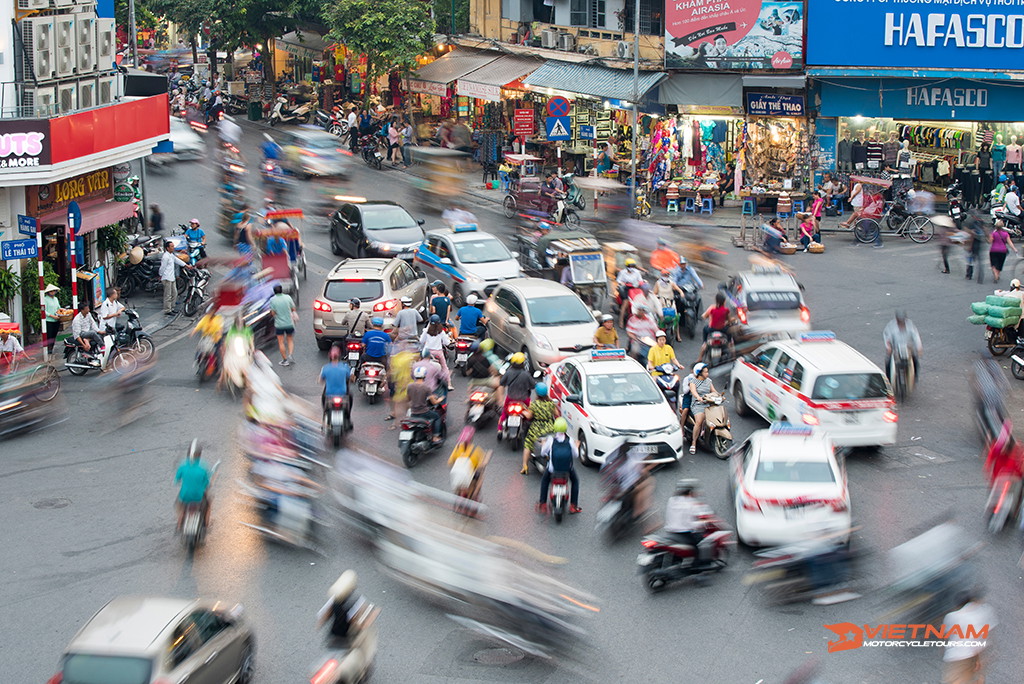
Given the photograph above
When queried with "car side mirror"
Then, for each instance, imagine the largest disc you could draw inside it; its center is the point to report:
(515, 320)
(574, 399)
(420, 221)
(446, 261)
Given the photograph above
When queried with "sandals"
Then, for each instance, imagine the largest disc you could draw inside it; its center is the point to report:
(525, 470)
(693, 449)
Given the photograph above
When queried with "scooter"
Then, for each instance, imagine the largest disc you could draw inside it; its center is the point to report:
(132, 337)
(462, 352)
(332, 121)
(335, 422)
(354, 350)
(953, 199)
(351, 665)
(80, 362)
(481, 406)
(786, 574)
(690, 310)
(373, 379)
(513, 430)
(715, 435)
(1004, 503)
(573, 195)
(369, 148)
(901, 371)
(718, 349)
(195, 289)
(193, 522)
(207, 359)
(667, 382)
(558, 495)
(667, 559)
(282, 114)
(416, 436)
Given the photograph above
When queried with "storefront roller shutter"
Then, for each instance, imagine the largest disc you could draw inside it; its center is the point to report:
(704, 90)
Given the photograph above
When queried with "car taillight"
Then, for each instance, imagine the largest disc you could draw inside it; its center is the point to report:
(515, 409)
(325, 673)
(321, 305)
(648, 543)
(741, 313)
(890, 416)
(810, 419)
(805, 314)
(478, 396)
(838, 505)
(386, 305)
(56, 679)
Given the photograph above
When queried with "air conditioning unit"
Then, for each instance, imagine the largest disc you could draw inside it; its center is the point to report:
(567, 42)
(40, 101)
(549, 39)
(104, 44)
(87, 94)
(33, 4)
(67, 98)
(86, 30)
(40, 55)
(624, 49)
(63, 3)
(64, 27)
(106, 89)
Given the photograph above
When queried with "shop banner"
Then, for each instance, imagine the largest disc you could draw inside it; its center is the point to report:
(24, 142)
(737, 34)
(774, 104)
(428, 87)
(481, 91)
(921, 99)
(44, 199)
(943, 34)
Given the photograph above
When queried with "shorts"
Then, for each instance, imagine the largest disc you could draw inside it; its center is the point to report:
(997, 259)
(287, 331)
(687, 400)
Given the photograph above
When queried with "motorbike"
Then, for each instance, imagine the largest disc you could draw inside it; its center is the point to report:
(787, 573)
(667, 558)
(1000, 340)
(372, 380)
(558, 495)
(416, 436)
(283, 114)
(196, 280)
(669, 321)
(193, 522)
(141, 277)
(715, 435)
(207, 359)
(954, 197)
(573, 194)
(132, 337)
(718, 349)
(354, 350)
(236, 104)
(335, 422)
(332, 122)
(80, 362)
(988, 390)
(481, 406)
(273, 175)
(901, 372)
(214, 114)
(369, 148)
(689, 307)
(1012, 222)
(513, 431)
(1017, 360)
(462, 352)
(351, 665)
(237, 358)
(668, 382)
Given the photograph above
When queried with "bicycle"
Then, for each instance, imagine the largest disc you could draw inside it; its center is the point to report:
(918, 228)
(43, 376)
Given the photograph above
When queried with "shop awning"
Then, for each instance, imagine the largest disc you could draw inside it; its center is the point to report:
(702, 90)
(307, 44)
(796, 81)
(486, 82)
(597, 81)
(434, 78)
(94, 216)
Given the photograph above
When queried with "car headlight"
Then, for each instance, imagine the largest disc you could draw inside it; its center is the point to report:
(382, 246)
(599, 429)
(476, 280)
(673, 428)
(542, 342)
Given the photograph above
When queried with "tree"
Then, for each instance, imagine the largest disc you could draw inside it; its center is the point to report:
(443, 16)
(391, 33)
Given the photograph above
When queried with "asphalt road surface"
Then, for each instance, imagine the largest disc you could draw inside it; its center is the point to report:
(88, 504)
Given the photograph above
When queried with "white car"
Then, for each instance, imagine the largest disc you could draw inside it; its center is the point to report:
(466, 260)
(788, 486)
(187, 143)
(607, 398)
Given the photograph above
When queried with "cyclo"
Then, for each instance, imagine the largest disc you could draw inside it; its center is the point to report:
(287, 267)
(527, 196)
(546, 255)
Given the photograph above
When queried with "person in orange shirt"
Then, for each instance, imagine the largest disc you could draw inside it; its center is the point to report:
(664, 258)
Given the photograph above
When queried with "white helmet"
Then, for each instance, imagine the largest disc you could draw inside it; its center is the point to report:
(471, 300)
(344, 586)
(699, 367)
(1015, 284)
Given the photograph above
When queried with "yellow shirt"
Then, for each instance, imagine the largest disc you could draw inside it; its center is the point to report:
(473, 453)
(210, 326)
(606, 336)
(659, 355)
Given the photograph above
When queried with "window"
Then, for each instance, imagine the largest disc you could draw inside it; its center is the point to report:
(509, 302)
(350, 214)
(387, 216)
(564, 373)
(850, 386)
(397, 281)
(408, 274)
(789, 371)
(183, 643)
(574, 384)
(344, 290)
(652, 17)
(434, 245)
(83, 668)
(597, 14)
(208, 625)
(483, 251)
(764, 359)
(776, 301)
(794, 471)
(442, 250)
(625, 389)
(578, 12)
(559, 310)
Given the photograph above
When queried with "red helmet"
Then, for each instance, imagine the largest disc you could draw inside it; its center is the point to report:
(467, 434)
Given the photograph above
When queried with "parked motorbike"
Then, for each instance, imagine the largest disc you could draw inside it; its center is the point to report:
(236, 104)
(332, 121)
(335, 422)
(667, 381)
(1012, 222)
(141, 277)
(1017, 360)
(416, 436)
(131, 337)
(196, 280)
(79, 362)
(372, 380)
(369, 148)
(954, 196)
(281, 113)
(715, 435)
(667, 558)
(513, 431)
(462, 353)
(482, 406)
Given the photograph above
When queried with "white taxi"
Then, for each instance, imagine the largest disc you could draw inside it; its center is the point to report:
(467, 260)
(788, 486)
(607, 398)
(816, 380)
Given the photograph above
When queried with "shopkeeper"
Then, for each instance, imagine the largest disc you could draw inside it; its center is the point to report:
(607, 158)
(51, 304)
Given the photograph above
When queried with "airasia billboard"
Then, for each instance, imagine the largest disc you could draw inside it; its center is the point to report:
(733, 34)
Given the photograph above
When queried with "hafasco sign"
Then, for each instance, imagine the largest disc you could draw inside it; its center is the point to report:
(937, 99)
(733, 34)
(948, 34)
(937, 96)
(24, 143)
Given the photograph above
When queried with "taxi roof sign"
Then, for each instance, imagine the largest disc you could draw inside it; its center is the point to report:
(818, 336)
(790, 429)
(607, 354)
(464, 228)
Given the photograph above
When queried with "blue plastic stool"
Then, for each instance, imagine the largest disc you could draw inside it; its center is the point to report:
(837, 204)
(749, 207)
(707, 206)
(690, 205)
(798, 206)
(672, 206)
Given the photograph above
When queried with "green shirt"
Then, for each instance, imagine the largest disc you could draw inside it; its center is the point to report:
(194, 479)
(282, 305)
(51, 305)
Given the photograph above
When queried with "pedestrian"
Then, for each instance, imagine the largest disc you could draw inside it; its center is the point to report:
(353, 129)
(156, 219)
(1000, 245)
(400, 376)
(408, 140)
(944, 226)
(285, 316)
(51, 304)
(963, 660)
(395, 143)
(169, 265)
(817, 208)
(976, 241)
(806, 230)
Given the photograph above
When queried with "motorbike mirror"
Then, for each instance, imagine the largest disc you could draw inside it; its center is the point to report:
(574, 399)
(515, 320)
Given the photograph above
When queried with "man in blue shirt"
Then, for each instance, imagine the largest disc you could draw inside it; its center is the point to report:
(195, 481)
(471, 319)
(376, 344)
(685, 275)
(334, 377)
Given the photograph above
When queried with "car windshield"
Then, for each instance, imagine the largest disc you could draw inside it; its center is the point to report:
(765, 301)
(321, 144)
(81, 668)
(849, 386)
(481, 251)
(377, 218)
(587, 268)
(794, 471)
(558, 310)
(344, 290)
(622, 390)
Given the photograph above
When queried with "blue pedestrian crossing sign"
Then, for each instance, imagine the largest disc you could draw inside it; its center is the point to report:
(559, 128)
(587, 133)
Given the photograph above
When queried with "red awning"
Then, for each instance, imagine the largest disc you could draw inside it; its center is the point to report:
(95, 215)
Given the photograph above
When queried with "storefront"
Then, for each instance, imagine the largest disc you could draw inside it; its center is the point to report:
(300, 57)
(776, 151)
(433, 84)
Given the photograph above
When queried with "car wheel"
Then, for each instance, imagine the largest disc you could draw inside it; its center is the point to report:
(585, 451)
(457, 299)
(335, 247)
(361, 252)
(247, 670)
(323, 344)
(739, 401)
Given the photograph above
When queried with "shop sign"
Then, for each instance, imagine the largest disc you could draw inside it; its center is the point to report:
(711, 110)
(124, 192)
(481, 91)
(18, 249)
(121, 172)
(24, 143)
(775, 104)
(734, 34)
(922, 99)
(952, 34)
(428, 87)
(523, 123)
(43, 199)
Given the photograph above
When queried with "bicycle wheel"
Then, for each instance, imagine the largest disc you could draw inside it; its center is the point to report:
(48, 381)
(866, 230)
(920, 229)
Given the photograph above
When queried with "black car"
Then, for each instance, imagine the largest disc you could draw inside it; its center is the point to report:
(375, 229)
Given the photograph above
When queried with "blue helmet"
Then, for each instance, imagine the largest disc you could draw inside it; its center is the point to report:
(1002, 178)
(541, 389)
(377, 321)
(434, 318)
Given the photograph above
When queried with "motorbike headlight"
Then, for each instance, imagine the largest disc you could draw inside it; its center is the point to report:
(542, 342)
(599, 429)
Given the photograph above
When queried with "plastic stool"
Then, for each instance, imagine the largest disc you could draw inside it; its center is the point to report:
(837, 204)
(749, 207)
(690, 205)
(673, 205)
(707, 206)
(798, 206)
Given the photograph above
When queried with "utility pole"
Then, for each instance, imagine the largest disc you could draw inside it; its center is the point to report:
(133, 34)
(636, 103)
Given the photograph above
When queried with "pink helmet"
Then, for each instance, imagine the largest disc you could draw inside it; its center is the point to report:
(467, 434)
(194, 220)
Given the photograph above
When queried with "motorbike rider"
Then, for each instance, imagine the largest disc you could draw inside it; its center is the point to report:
(629, 277)
(471, 319)
(685, 398)
(683, 515)
(628, 478)
(110, 310)
(467, 463)
(355, 320)
(85, 330)
(407, 320)
(236, 356)
(561, 452)
(376, 344)
(422, 400)
(335, 376)
(718, 318)
(667, 292)
(684, 275)
(542, 414)
(516, 384)
(438, 378)
(194, 477)
(606, 337)
(344, 609)
(641, 326)
(660, 354)
(901, 334)
(196, 234)
(479, 368)
(1005, 458)
(698, 388)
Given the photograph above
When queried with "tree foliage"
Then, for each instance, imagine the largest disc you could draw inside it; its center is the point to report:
(391, 33)
(443, 16)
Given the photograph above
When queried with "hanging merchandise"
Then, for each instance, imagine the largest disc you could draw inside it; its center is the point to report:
(776, 150)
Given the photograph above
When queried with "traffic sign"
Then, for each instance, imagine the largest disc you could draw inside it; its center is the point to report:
(74, 217)
(587, 132)
(558, 128)
(27, 225)
(18, 249)
(558, 106)
(523, 122)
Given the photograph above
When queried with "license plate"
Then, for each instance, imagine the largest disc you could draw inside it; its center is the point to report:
(851, 418)
(559, 490)
(988, 334)
(793, 512)
(353, 356)
(336, 418)
(378, 155)
(514, 421)
(461, 358)
(645, 448)
(644, 559)
(405, 434)
(371, 390)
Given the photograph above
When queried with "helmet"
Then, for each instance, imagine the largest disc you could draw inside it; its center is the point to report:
(467, 434)
(406, 301)
(541, 389)
(377, 321)
(487, 345)
(195, 450)
(518, 359)
(630, 262)
(195, 221)
(687, 486)
(354, 302)
(661, 333)
(607, 317)
(434, 318)
(699, 367)
(1002, 178)
(682, 260)
(335, 353)
(344, 586)
(471, 300)
(436, 283)
(1015, 284)
(559, 425)
(419, 372)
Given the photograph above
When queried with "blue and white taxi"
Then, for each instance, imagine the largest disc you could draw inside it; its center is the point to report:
(466, 259)
(607, 399)
(788, 486)
(816, 380)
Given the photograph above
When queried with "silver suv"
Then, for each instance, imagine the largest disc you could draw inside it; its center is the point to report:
(768, 300)
(378, 284)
